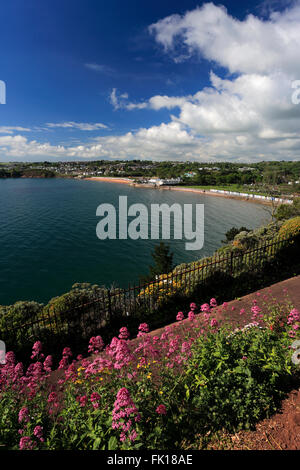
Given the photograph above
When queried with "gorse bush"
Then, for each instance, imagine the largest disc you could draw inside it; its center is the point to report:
(156, 391)
(291, 228)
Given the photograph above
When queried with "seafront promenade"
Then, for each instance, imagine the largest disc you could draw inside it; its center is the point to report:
(257, 198)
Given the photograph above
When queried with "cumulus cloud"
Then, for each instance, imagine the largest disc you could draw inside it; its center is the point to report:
(121, 101)
(168, 141)
(246, 116)
(252, 45)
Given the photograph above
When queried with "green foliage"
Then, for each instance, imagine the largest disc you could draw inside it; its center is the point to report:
(163, 261)
(235, 380)
(286, 211)
(291, 228)
(16, 323)
(230, 234)
(229, 380)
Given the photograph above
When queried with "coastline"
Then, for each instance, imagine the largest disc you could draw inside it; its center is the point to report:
(108, 179)
(130, 182)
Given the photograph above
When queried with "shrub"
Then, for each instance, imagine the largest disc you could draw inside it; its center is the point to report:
(189, 381)
(286, 211)
(16, 322)
(291, 228)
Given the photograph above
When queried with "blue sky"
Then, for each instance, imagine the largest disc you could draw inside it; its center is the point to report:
(94, 79)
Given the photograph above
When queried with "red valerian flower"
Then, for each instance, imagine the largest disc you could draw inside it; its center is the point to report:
(161, 410)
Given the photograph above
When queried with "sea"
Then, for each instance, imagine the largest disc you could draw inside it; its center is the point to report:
(48, 237)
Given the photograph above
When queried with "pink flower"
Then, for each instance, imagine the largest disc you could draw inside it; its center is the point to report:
(10, 359)
(26, 443)
(38, 432)
(36, 350)
(193, 306)
(23, 415)
(82, 400)
(205, 308)
(255, 309)
(133, 435)
(18, 371)
(206, 317)
(214, 323)
(179, 316)
(67, 352)
(185, 347)
(213, 302)
(143, 329)
(123, 415)
(122, 354)
(53, 398)
(48, 364)
(66, 355)
(242, 311)
(161, 410)
(293, 317)
(95, 398)
(191, 315)
(96, 344)
(124, 333)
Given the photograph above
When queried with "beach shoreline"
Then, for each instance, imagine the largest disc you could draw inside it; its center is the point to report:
(204, 192)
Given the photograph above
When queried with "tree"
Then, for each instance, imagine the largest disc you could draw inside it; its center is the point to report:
(274, 203)
(233, 232)
(286, 211)
(163, 262)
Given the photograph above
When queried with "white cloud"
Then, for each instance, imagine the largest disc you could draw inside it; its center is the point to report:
(12, 129)
(101, 68)
(121, 101)
(82, 126)
(248, 116)
(249, 46)
(164, 142)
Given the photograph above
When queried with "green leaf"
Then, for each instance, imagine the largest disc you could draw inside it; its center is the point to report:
(97, 443)
(112, 443)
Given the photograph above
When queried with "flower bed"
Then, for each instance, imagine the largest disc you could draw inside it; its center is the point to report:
(171, 390)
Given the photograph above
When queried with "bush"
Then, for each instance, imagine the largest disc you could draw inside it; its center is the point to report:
(156, 392)
(17, 323)
(286, 211)
(291, 228)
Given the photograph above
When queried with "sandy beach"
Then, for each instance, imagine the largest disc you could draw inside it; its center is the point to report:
(177, 188)
(110, 179)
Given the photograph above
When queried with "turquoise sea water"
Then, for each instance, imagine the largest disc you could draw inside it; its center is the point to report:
(48, 234)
